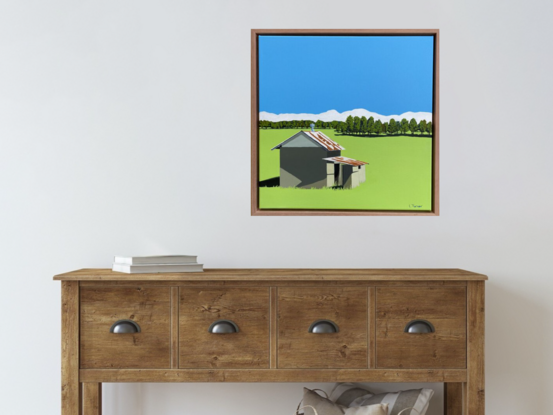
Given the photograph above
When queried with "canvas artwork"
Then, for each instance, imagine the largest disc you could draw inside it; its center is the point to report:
(344, 123)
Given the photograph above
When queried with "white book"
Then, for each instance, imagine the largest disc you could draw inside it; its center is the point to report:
(159, 259)
(157, 268)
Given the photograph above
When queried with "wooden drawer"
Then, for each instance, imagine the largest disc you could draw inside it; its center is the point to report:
(150, 308)
(298, 308)
(444, 307)
(248, 308)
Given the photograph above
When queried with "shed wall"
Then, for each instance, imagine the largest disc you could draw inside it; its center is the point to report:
(304, 167)
(351, 176)
(362, 174)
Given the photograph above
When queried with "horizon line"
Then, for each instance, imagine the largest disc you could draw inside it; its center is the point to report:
(341, 112)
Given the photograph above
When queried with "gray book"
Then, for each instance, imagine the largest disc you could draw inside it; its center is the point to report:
(158, 259)
(157, 268)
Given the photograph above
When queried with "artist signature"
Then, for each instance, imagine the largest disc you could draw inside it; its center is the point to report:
(412, 206)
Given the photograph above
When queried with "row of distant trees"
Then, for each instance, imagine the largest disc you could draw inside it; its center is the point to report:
(364, 126)
(358, 126)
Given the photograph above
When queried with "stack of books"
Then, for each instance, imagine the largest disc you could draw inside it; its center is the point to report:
(155, 264)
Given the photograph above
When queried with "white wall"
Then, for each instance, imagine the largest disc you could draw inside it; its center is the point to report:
(117, 119)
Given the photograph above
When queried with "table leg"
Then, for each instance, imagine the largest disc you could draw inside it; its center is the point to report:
(92, 398)
(453, 398)
(474, 390)
(70, 386)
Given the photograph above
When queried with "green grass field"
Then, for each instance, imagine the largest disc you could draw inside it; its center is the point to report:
(399, 174)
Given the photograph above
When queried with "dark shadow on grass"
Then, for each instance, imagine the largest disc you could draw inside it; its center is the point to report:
(272, 182)
(275, 182)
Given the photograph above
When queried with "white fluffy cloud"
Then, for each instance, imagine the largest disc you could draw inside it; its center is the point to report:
(334, 115)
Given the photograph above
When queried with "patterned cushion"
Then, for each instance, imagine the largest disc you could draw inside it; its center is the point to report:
(378, 409)
(325, 406)
(345, 393)
(349, 394)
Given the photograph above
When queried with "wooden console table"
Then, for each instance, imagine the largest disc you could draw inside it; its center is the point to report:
(273, 325)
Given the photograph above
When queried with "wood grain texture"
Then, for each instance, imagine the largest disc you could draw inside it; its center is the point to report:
(346, 31)
(475, 388)
(436, 128)
(247, 307)
(372, 327)
(271, 375)
(254, 126)
(268, 283)
(280, 275)
(464, 395)
(444, 307)
(389, 297)
(70, 386)
(175, 327)
(92, 398)
(255, 210)
(453, 398)
(292, 212)
(149, 307)
(299, 307)
(274, 328)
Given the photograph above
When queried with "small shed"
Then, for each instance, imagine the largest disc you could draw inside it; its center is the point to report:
(346, 172)
(310, 159)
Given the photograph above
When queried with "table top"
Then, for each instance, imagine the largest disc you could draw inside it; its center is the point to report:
(284, 274)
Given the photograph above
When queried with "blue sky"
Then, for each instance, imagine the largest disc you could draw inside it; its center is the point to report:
(313, 74)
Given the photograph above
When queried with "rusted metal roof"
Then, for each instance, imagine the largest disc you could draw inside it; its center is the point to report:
(323, 140)
(318, 138)
(345, 160)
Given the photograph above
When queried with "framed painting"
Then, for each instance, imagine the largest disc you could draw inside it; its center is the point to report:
(345, 122)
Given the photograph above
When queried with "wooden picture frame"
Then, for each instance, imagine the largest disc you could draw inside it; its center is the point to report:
(255, 136)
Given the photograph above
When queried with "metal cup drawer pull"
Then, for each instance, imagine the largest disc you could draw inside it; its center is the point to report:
(323, 327)
(124, 327)
(419, 327)
(223, 327)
